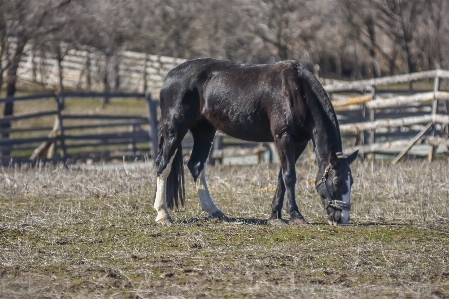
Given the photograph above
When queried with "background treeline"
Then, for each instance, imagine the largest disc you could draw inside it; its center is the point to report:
(345, 38)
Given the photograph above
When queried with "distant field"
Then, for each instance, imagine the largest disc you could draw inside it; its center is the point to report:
(91, 234)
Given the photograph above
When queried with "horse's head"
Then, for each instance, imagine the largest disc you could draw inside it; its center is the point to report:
(334, 186)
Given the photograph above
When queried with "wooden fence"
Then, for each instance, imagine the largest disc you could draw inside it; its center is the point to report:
(374, 118)
(89, 131)
(378, 119)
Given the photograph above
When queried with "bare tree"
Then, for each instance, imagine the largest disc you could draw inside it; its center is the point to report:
(22, 21)
(287, 25)
(400, 20)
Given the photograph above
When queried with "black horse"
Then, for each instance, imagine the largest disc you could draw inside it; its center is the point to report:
(282, 103)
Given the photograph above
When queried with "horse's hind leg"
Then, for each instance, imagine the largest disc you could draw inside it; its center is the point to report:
(203, 135)
(160, 202)
(278, 200)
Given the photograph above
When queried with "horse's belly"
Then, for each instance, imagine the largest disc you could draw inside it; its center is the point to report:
(250, 133)
(251, 127)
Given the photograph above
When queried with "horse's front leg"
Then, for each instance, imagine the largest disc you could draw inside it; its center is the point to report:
(287, 154)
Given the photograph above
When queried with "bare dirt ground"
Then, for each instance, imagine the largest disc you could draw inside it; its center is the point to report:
(91, 234)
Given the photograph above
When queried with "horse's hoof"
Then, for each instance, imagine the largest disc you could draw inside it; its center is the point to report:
(332, 223)
(219, 215)
(297, 221)
(276, 222)
(164, 221)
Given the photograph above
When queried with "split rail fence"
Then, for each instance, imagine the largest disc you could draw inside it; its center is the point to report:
(90, 131)
(381, 120)
(374, 119)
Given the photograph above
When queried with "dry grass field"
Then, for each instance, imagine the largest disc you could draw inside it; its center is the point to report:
(91, 234)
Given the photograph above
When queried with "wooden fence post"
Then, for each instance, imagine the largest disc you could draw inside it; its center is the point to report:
(132, 145)
(217, 146)
(372, 117)
(446, 105)
(59, 107)
(436, 87)
(152, 121)
(367, 137)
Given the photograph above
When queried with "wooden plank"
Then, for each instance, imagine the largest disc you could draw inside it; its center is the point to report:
(13, 141)
(442, 119)
(13, 147)
(24, 130)
(397, 135)
(401, 100)
(103, 94)
(107, 125)
(27, 98)
(103, 117)
(376, 147)
(390, 123)
(352, 101)
(119, 135)
(361, 84)
(6, 119)
(412, 143)
(106, 143)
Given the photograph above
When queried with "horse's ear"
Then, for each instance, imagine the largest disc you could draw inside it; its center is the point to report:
(333, 158)
(352, 157)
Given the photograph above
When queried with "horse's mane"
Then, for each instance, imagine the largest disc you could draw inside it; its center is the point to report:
(322, 97)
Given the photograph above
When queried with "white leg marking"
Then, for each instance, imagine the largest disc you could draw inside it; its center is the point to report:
(207, 204)
(160, 203)
(346, 198)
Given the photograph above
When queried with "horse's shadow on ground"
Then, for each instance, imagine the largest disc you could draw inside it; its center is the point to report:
(256, 221)
(232, 220)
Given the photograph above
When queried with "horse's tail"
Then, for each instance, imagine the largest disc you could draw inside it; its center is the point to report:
(175, 189)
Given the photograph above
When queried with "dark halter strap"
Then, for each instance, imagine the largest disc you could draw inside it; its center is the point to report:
(334, 203)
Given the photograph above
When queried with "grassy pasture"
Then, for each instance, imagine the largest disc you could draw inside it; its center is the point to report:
(91, 233)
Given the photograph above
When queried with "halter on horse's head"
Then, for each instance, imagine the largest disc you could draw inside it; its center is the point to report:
(334, 187)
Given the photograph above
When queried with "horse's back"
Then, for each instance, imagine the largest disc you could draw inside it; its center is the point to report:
(240, 100)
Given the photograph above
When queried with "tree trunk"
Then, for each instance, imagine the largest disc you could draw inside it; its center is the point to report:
(59, 58)
(370, 26)
(11, 81)
(106, 85)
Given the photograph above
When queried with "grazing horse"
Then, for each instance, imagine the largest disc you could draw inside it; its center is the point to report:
(281, 102)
